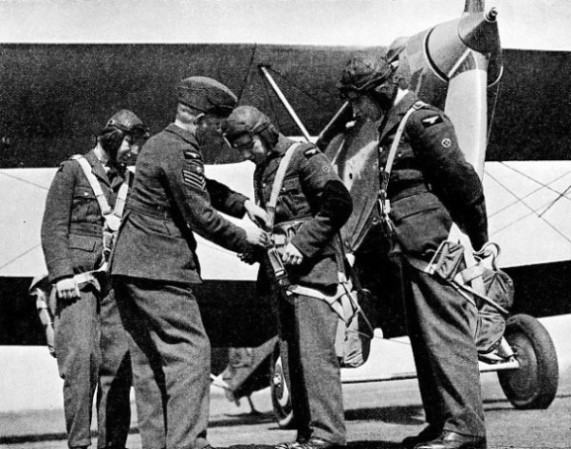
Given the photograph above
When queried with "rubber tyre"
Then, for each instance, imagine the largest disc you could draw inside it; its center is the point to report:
(534, 384)
(281, 398)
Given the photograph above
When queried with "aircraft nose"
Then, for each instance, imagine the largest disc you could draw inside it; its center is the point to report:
(480, 33)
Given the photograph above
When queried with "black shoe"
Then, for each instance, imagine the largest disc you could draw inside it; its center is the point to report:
(312, 443)
(318, 443)
(288, 445)
(453, 440)
(427, 434)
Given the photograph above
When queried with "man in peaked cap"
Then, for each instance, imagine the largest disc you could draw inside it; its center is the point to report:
(155, 265)
(90, 342)
(206, 95)
(431, 186)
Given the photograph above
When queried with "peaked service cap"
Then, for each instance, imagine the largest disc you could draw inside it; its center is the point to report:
(206, 94)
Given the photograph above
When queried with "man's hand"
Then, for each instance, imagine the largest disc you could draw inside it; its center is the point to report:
(257, 237)
(255, 213)
(291, 255)
(67, 289)
(248, 257)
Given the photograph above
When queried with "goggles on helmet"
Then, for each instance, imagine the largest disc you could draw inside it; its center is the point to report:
(137, 132)
(241, 142)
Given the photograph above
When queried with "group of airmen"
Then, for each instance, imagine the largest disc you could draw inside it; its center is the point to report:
(125, 310)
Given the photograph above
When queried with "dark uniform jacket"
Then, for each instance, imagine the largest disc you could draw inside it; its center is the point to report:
(171, 199)
(72, 227)
(431, 182)
(312, 191)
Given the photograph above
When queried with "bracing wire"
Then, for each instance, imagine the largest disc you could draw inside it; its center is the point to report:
(520, 199)
(532, 211)
(247, 78)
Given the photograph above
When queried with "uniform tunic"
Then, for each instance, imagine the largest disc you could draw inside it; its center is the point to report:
(90, 342)
(312, 193)
(431, 186)
(154, 265)
(171, 200)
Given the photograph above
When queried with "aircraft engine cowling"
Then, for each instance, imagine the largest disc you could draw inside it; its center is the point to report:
(455, 66)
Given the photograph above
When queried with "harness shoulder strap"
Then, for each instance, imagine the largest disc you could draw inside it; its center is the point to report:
(277, 185)
(114, 219)
(94, 183)
(386, 173)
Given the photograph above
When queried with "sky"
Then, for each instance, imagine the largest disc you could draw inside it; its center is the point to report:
(532, 24)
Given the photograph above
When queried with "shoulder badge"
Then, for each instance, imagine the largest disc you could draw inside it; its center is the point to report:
(310, 152)
(432, 120)
(191, 155)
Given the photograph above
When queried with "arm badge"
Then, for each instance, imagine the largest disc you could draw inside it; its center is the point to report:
(430, 121)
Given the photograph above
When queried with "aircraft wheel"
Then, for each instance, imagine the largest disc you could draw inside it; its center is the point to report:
(534, 384)
(281, 399)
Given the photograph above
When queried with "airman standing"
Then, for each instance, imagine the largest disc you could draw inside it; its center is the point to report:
(312, 205)
(154, 266)
(431, 186)
(90, 342)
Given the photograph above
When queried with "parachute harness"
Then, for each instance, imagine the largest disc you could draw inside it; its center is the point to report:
(385, 174)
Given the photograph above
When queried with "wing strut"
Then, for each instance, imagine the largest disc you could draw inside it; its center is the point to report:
(285, 102)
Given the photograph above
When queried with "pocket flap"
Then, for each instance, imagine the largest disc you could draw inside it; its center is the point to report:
(83, 192)
(414, 204)
(84, 242)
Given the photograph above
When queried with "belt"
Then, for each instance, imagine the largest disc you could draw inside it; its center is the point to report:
(155, 211)
(408, 191)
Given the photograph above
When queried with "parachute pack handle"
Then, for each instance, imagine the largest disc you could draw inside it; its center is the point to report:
(490, 249)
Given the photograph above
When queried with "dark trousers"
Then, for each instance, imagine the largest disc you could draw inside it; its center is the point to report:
(92, 351)
(78, 357)
(114, 409)
(170, 355)
(307, 347)
(440, 324)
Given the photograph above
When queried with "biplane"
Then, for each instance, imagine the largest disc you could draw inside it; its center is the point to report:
(506, 104)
